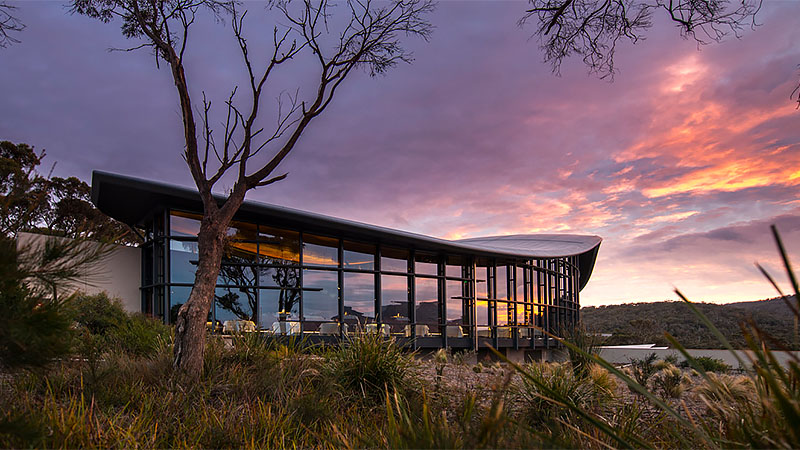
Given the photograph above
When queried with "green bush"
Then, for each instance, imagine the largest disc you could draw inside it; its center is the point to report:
(710, 364)
(644, 368)
(670, 381)
(105, 326)
(545, 382)
(36, 327)
(368, 365)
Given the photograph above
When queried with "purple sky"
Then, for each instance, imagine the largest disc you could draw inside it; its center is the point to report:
(680, 164)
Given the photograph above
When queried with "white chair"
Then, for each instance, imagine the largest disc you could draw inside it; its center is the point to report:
(238, 326)
(420, 330)
(331, 329)
(454, 331)
(286, 328)
(372, 328)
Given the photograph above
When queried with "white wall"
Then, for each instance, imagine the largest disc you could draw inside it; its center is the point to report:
(119, 274)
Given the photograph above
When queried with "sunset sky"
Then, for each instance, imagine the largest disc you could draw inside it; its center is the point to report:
(680, 164)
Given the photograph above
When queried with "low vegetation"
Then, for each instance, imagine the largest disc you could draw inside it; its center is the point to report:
(115, 390)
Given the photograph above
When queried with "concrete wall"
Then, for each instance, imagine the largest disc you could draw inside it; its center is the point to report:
(624, 355)
(119, 274)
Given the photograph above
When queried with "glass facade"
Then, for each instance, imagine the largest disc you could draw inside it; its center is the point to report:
(291, 281)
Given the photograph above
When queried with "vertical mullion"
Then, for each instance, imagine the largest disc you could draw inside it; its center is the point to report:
(377, 289)
(301, 283)
(412, 307)
(340, 273)
(442, 297)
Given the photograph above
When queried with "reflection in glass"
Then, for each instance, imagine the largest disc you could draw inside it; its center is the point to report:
(278, 305)
(455, 308)
(182, 261)
(394, 302)
(359, 300)
(426, 297)
(394, 260)
(359, 256)
(242, 231)
(425, 264)
(481, 285)
(184, 224)
(502, 313)
(178, 295)
(452, 270)
(519, 282)
(320, 251)
(482, 313)
(238, 267)
(235, 304)
(523, 314)
(502, 282)
(278, 246)
(320, 298)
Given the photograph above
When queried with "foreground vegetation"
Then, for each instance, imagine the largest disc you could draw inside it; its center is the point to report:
(116, 389)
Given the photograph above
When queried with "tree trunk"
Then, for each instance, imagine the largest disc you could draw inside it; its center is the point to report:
(190, 326)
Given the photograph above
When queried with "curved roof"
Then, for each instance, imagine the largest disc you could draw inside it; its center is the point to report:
(131, 200)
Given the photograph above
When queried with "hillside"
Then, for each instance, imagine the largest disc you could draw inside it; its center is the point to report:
(645, 323)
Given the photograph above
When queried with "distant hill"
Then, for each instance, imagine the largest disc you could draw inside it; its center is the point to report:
(645, 323)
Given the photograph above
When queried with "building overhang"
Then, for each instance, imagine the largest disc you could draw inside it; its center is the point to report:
(132, 200)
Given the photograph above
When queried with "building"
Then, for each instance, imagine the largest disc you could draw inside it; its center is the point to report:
(294, 272)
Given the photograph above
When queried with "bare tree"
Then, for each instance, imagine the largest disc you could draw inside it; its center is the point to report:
(9, 24)
(591, 29)
(368, 38)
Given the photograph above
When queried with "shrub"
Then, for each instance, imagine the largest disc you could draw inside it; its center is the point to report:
(643, 369)
(367, 365)
(542, 394)
(36, 327)
(104, 326)
(586, 346)
(710, 364)
(670, 381)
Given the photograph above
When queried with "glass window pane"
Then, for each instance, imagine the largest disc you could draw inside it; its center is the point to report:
(277, 305)
(481, 284)
(320, 298)
(237, 275)
(394, 302)
(280, 276)
(502, 282)
(502, 313)
(523, 314)
(394, 260)
(519, 283)
(242, 231)
(178, 295)
(320, 251)
(425, 264)
(182, 261)
(235, 304)
(482, 313)
(184, 224)
(453, 266)
(455, 309)
(359, 300)
(359, 256)
(278, 246)
(426, 297)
